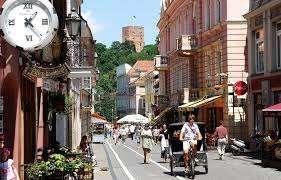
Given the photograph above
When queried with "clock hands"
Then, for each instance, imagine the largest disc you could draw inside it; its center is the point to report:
(28, 21)
(33, 16)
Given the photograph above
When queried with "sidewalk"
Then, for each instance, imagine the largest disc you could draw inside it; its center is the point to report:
(102, 171)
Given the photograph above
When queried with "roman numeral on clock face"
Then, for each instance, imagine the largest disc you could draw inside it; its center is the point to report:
(11, 22)
(45, 22)
(28, 37)
(27, 6)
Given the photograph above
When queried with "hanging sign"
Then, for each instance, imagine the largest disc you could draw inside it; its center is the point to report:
(240, 88)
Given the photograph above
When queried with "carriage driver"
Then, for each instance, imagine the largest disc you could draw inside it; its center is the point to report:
(189, 135)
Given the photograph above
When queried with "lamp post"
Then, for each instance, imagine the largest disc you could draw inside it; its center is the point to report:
(73, 25)
(72, 40)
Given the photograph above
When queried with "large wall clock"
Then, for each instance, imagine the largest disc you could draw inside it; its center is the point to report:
(29, 24)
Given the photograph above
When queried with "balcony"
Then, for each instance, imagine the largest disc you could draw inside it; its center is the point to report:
(186, 44)
(258, 3)
(161, 62)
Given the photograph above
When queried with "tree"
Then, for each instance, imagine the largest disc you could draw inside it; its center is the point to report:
(109, 58)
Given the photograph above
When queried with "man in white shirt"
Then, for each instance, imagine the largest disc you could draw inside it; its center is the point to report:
(189, 135)
(132, 131)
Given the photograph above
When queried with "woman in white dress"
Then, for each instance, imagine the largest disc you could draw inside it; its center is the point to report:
(147, 142)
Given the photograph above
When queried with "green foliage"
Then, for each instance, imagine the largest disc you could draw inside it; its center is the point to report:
(109, 58)
(68, 105)
(57, 164)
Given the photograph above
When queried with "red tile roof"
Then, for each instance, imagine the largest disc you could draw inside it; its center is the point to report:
(142, 66)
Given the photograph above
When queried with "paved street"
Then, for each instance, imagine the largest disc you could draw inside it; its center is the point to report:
(125, 162)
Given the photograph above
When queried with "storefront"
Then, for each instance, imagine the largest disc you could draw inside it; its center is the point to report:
(272, 141)
(208, 110)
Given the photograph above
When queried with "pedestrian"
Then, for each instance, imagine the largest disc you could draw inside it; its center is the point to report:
(123, 134)
(156, 134)
(164, 143)
(115, 134)
(189, 135)
(132, 131)
(222, 136)
(84, 145)
(138, 133)
(147, 142)
(7, 169)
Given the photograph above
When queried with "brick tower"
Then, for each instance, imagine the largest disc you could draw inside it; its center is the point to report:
(134, 34)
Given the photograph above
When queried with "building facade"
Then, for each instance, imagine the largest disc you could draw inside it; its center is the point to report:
(204, 43)
(122, 97)
(131, 88)
(134, 34)
(36, 88)
(264, 62)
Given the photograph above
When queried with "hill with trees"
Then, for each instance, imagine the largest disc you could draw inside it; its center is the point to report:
(109, 58)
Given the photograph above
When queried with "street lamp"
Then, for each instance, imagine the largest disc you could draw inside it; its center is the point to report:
(73, 23)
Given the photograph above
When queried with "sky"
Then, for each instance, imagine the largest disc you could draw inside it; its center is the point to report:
(107, 17)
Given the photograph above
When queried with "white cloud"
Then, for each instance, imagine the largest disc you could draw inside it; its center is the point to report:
(95, 26)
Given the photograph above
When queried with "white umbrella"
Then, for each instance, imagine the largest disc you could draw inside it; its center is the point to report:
(134, 118)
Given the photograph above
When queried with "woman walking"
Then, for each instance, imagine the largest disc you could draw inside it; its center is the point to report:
(115, 134)
(164, 143)
(147, 142)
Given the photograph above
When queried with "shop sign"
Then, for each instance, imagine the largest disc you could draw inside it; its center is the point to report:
(265, 92)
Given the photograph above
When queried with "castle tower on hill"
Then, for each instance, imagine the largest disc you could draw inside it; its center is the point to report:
(134, 34)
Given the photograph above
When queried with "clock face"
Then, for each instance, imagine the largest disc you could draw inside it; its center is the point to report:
(29, 24)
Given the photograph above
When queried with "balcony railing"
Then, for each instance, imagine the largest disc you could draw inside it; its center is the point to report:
(186, 43)
(258, 3)
(160, 62)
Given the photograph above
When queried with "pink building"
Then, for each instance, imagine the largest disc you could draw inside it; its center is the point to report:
(204, 41)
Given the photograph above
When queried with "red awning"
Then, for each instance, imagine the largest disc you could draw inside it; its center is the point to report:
(274, 108)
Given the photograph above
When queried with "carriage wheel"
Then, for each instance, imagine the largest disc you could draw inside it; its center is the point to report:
(206, 169)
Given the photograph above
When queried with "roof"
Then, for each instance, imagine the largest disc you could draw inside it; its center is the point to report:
(97, 115)
(142, 66)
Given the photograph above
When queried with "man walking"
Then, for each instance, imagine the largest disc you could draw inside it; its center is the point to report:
(132, 131)
(222, 135)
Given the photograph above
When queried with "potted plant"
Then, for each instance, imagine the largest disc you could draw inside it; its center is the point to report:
(57, 167)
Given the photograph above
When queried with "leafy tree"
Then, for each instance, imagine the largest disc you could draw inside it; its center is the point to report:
(109, 58)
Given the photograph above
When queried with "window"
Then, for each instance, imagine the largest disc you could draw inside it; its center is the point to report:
(219, 63)
(84, 56)
(208, 70)
(258, 120)
(194, 18)
(207, 14)
(218, 11)
(278, 45)
(86, 83)
(1, 124)
(259, 52)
